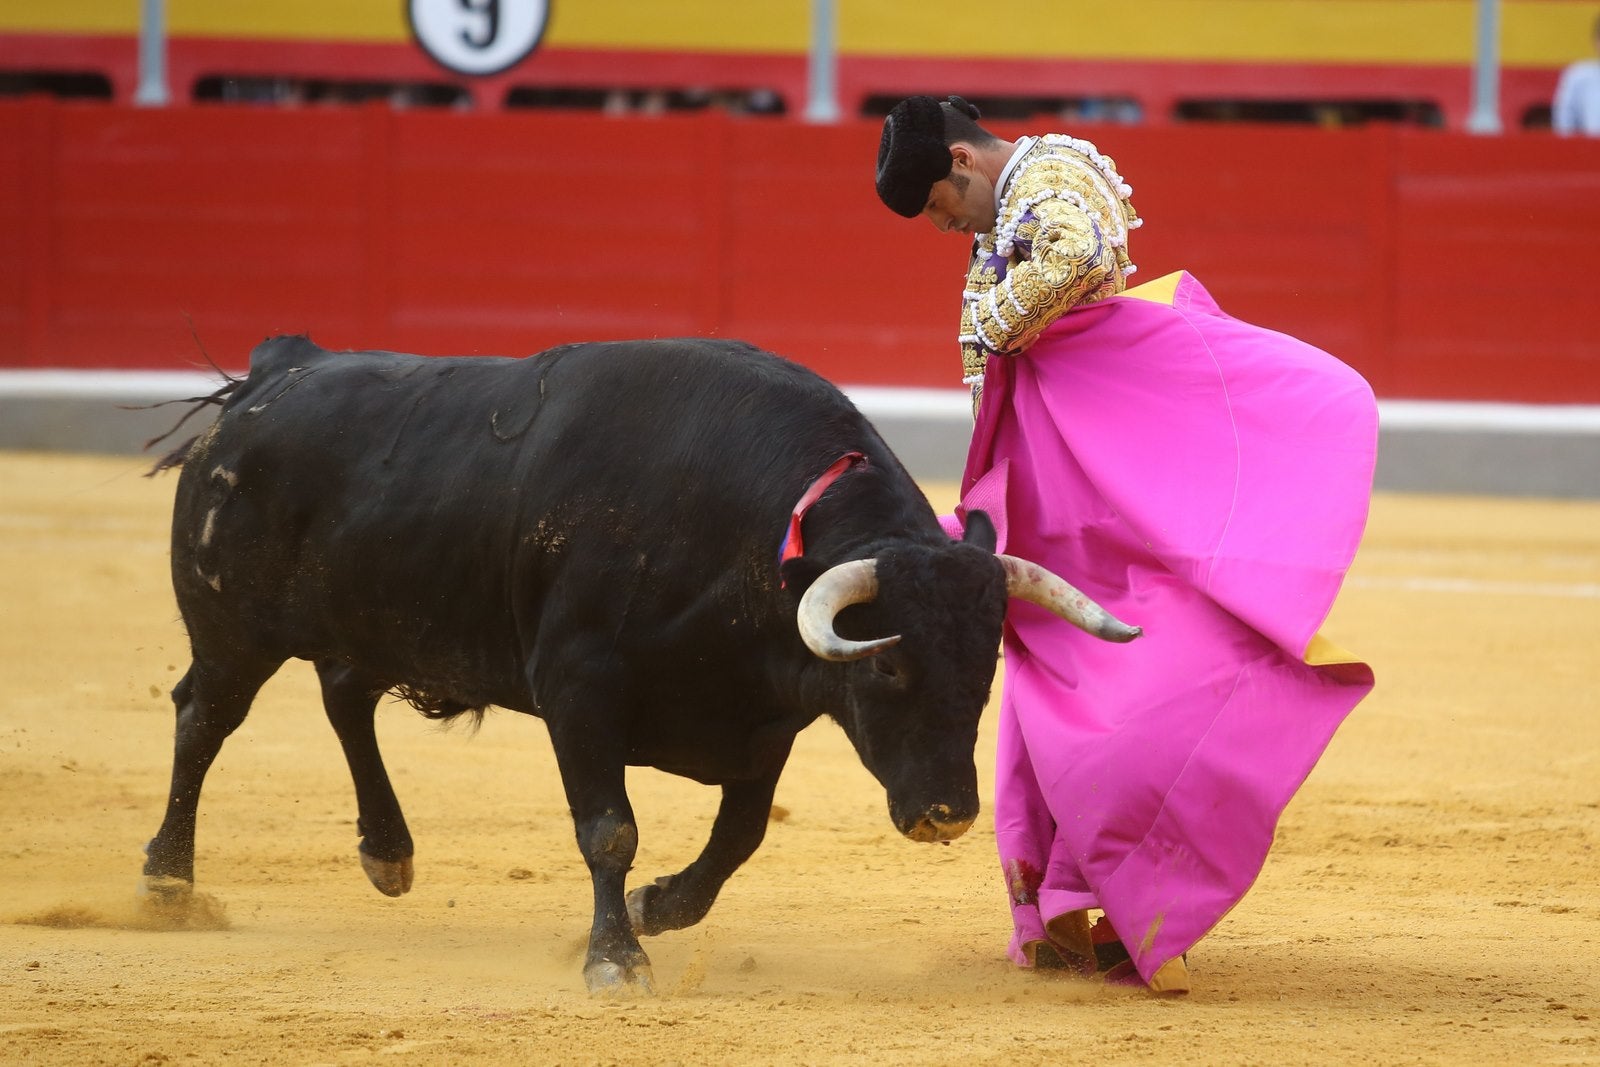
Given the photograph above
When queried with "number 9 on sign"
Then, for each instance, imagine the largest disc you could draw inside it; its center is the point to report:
(478, 36)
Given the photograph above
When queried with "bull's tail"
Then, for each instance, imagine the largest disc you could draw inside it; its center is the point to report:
(176, 457)
(442, 708)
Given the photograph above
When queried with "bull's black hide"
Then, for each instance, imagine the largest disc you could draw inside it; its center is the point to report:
(589, 535)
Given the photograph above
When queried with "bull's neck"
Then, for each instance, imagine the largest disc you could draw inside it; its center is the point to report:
(811, 688)
(857, 519)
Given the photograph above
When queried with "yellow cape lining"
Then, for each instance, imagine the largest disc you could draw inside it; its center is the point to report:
(1322, 652)
(1160, 290)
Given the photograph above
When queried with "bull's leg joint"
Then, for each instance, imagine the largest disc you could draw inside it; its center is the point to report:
(610, 842)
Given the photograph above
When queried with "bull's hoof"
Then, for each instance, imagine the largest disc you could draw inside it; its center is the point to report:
(639, 908)
(613, 979)
(168, 903)
(163, 890)
(659, 907)
(392, 878)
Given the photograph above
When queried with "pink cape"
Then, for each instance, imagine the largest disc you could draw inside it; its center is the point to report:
(1207, 480)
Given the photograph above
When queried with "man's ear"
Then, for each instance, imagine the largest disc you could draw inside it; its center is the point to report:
(962, 155)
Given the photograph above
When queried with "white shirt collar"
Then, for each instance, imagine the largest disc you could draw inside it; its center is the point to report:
(1011, 165)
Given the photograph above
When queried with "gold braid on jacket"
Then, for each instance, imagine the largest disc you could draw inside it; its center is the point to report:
(1061, 239)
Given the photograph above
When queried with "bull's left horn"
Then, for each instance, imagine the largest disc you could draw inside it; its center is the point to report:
(835, 589)
(1031, 582)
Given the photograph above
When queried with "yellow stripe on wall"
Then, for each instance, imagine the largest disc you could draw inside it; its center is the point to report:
(68, 16)
(1537, 33)
(371, 21)
(782, 26)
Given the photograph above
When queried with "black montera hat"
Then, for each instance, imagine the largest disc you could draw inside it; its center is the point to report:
(912, 154)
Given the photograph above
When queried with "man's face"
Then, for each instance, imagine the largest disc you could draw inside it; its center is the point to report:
(963, 202)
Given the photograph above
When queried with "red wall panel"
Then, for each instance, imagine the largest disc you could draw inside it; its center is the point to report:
(1498, 256)
(1441, 265)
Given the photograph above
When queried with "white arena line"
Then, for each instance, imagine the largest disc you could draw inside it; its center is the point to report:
(1448, 415)
(1439, 415)
(874, 400)
(891, 401)
(1478, 587)
(106, 384)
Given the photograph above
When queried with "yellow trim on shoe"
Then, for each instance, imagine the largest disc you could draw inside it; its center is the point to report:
(1171, 977)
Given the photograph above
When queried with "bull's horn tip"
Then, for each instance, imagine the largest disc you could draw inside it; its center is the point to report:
(879, 644)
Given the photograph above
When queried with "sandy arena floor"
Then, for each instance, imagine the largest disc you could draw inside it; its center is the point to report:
(1434, 896)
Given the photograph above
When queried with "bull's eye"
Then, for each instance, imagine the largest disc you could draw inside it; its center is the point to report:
(886, 667)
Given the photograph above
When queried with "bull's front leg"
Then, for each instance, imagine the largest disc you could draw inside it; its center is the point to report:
(683, 899)
(594, 777)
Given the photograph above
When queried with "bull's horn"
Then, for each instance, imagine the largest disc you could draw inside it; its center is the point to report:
(1031, 582)
(835, 589)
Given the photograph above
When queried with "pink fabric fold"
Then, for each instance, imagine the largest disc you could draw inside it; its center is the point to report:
(1207, 480)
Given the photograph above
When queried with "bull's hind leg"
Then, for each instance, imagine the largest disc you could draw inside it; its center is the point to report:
(351, 700)
(683, 899)
(211, 701)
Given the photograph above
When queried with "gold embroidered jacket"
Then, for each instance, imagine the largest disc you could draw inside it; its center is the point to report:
(1061, 239)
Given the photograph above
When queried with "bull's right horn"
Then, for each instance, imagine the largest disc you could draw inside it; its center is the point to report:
(835, 589)
(1033, 583)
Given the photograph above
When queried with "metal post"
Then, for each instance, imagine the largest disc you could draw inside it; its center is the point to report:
(1485, 117)
(152, 91)
(822, 103)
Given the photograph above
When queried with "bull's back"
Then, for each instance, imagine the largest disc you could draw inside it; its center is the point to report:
(415, 513)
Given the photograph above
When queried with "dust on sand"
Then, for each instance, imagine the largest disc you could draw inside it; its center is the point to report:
(1433, 896)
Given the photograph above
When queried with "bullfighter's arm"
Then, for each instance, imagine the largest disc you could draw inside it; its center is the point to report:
(1068, 225)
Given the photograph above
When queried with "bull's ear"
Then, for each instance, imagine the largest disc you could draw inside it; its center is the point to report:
(980, 531)
(798, 574)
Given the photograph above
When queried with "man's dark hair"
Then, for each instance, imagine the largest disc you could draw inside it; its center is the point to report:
(961, 123)
(914, 151)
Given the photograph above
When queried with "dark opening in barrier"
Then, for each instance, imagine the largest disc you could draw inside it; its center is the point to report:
(632, 101)
(1311, 112)
(65, 84)
(1123, 109)
(288, 91)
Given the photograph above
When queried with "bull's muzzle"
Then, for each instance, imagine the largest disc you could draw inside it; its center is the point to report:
(938, 823)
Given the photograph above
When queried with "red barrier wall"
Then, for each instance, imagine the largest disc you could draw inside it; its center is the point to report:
(1441, 265)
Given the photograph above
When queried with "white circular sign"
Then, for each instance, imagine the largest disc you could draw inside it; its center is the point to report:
(478, 36)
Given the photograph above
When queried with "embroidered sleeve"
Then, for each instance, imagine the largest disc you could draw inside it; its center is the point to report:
(1064, 228)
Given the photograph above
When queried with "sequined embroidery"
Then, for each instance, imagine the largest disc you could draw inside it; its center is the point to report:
(1061, 239)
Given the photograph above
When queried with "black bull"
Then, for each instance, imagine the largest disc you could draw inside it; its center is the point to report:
(589, 535)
